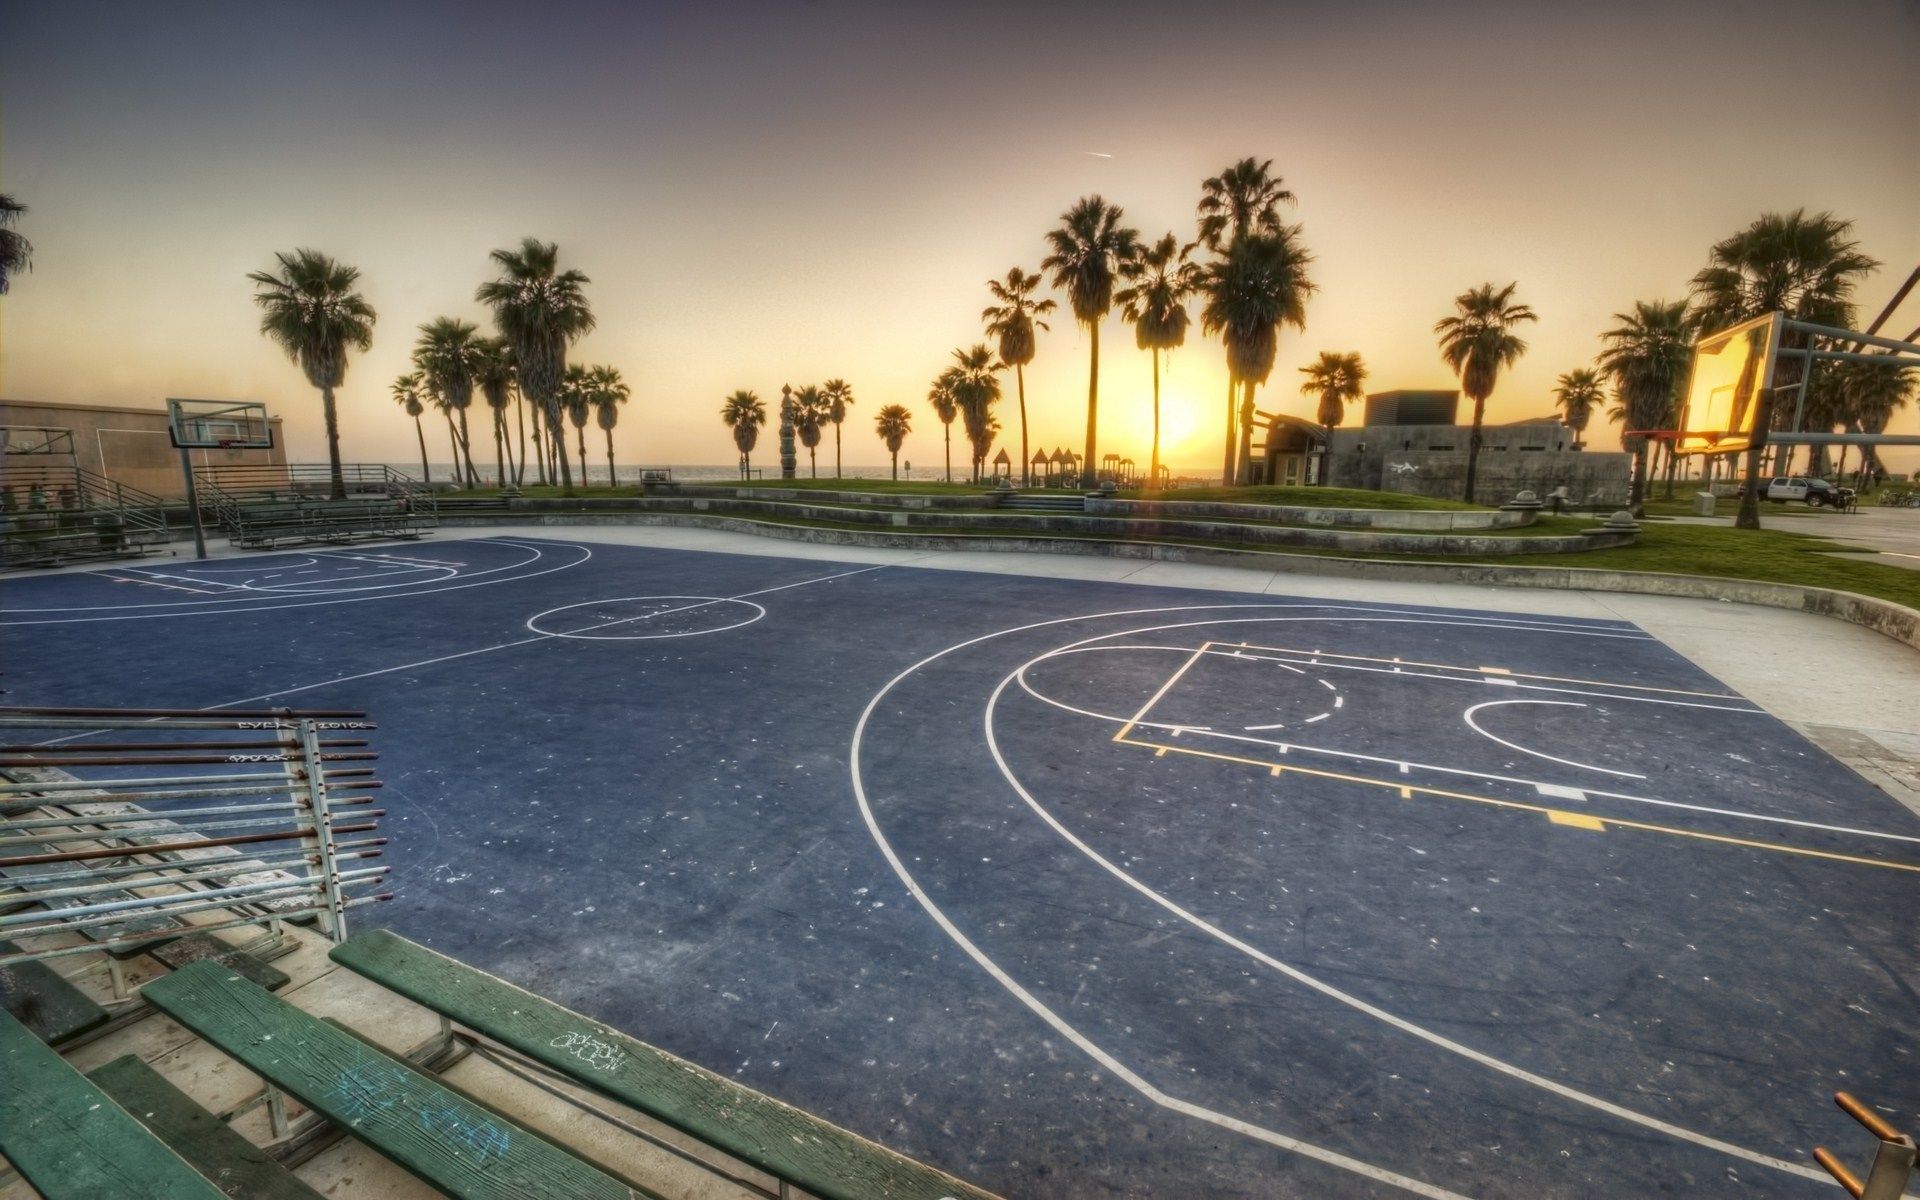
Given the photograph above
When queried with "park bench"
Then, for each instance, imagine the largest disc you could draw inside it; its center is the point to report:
(777, 1138)
(69, 1140)
(411, 1118)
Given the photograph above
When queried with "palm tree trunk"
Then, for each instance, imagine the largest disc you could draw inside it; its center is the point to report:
(1244, 475)
(1091, 464)
(420, 432)
(1226, 471)
(1473, 446)
(557, 431)
(610, 474)
(339, 477)
(1153, 459)
(1026, 469)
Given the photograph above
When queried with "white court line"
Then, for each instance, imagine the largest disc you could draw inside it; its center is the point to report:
(1139, 1084)
(1474, 725)
(1402, 766)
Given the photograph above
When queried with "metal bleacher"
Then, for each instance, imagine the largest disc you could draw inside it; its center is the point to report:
(290, 504)
(54, 511)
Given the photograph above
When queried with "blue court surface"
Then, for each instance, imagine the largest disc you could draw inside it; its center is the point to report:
(1085, 889)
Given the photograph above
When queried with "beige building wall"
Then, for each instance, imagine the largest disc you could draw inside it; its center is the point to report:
(130, 445)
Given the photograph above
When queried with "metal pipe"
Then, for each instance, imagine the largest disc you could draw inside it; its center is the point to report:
(238, 839)
(142, 939)
(171, 902)
(180, 905)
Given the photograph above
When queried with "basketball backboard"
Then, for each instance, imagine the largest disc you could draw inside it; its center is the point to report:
(1731, 370)
(219, 424)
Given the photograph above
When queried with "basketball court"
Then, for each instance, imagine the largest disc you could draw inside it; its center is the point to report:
(1077, 888)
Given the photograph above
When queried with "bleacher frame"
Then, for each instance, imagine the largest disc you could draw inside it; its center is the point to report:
(260, 507)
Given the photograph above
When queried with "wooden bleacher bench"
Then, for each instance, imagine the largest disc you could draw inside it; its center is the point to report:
(777, 1138)
(71, 1142)
(410, 1118)
(207, 1143)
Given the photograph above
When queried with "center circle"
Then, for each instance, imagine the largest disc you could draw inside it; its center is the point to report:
(645, 618)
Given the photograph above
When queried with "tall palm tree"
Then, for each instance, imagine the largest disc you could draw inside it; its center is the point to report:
(16, 252)
(311, 311)
(744, 413)
(1338, 380)
(893, 423)
(940, 395)
(576, 404)
(607, 391)
(1259, 284)
(810, 412)
(448, 355)
(1242, 200)
(1155, 301)
(1805, 266)
(1477, 341)
(1577, 393)
(1089, 249)
(406, 393)
(838, 395)
(539, 309)
(1012, 321)
(1647, 355)
(493, 374)
(974, 383)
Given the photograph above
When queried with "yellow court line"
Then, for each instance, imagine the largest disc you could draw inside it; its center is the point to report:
(1501, 671)
(1407, 789)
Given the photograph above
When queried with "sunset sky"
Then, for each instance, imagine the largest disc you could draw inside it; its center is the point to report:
(783, 192)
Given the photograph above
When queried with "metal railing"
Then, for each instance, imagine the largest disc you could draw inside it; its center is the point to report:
(266, 505)
(268, 822)
(53, 511)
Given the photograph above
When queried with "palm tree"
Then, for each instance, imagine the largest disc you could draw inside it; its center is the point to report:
(16, 252)
(1477, 341)
(1013, 321)
(893, 423)
(448, 355)
(1259, 284)
(940, 395)
(539, 309)
(493, 373)
(576, 403)
(1338, 380)
(312, 312)
(1804, 266)
(810, 411)
(1647, 356)
(1089, 249)
(607, 391)
(974, 383)
(838, 395)
(1244, 199)
(744, 413)
(1577, 393)
(1155, 301)
(406, 393)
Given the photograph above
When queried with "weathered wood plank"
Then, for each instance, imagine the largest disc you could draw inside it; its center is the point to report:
(70, 1141)
(229, 1161)
(41, 998)
(456, 1146)
(784, 1141)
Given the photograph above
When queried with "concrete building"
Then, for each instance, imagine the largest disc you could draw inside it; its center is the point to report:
(1423, 451)
(128, 445)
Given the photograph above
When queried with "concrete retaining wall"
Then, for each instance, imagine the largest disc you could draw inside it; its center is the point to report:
(1895, 621)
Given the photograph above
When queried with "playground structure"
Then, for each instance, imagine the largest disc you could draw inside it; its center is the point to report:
(54, 511)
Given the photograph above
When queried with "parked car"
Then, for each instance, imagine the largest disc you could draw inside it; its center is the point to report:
(1816, 492)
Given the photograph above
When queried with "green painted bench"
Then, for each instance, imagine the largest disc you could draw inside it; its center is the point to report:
(777, 1138)
(410, 1118)
(71, 1142)
(235, 1165)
